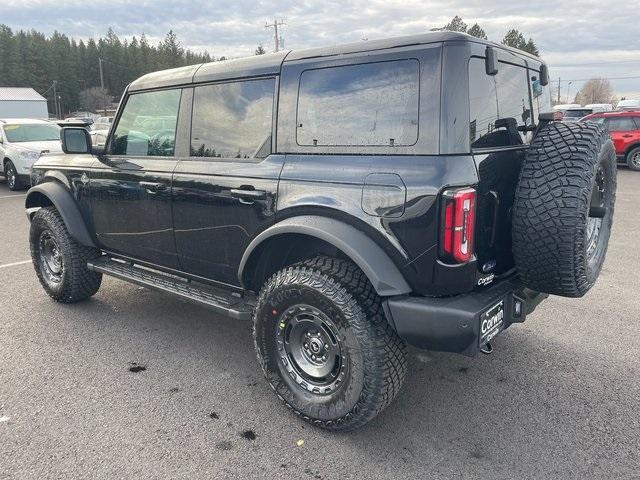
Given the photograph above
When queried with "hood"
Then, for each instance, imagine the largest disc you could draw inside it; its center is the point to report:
(53, 146)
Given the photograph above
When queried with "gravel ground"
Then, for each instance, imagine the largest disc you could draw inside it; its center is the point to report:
(559, 398)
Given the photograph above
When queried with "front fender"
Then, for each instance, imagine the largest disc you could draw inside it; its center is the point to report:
(53, 193)
(361, 249)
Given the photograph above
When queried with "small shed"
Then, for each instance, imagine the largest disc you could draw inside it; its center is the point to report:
(18, 102)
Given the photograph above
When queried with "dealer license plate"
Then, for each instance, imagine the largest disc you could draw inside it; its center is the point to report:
(491, 323)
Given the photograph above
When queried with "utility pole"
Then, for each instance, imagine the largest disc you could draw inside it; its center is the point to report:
(55, 99)
(278, 39)
(558, 90)
(104, 100)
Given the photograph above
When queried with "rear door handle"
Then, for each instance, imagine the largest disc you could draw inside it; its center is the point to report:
(627, 135)
(248, 194)
(153, 187)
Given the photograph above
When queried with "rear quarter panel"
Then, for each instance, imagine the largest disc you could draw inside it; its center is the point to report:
(332, 185)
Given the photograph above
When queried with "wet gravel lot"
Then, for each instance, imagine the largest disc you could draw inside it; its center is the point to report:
(136, 384)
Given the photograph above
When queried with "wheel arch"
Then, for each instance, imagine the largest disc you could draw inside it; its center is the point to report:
(630, 148)
(54, 194)
(296, 238)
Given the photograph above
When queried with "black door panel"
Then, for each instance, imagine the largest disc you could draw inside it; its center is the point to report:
(218, 207)
(132, 209)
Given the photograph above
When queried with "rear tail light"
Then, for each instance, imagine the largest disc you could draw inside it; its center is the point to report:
(458, 225)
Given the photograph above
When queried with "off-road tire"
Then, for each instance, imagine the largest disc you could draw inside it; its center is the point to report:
(552, 204)
(376, 355)
(11, 175)
(633, 159)
(77, 282)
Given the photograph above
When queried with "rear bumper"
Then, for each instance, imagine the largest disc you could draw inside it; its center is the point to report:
(453, 324)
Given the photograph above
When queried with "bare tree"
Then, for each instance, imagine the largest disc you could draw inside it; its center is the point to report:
(95, 99)
(596, 90)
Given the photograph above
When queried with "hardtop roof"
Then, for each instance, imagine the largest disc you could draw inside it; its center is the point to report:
(269, 64)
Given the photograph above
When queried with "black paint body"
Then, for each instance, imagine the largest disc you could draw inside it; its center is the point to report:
(184, 214)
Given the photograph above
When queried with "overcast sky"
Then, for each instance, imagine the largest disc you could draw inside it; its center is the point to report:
(579, 39)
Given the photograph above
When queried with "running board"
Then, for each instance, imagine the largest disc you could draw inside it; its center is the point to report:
(221, 301)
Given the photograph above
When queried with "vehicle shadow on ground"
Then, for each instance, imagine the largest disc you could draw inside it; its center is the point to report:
(529, 396)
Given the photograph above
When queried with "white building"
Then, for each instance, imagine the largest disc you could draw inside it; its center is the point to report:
(16, 102)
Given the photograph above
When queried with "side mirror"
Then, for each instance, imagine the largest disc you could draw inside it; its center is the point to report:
(75, 140)
(544, 75)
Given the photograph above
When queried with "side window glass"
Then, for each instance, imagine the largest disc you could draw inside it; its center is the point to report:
(373, 104)
(623, 124)
(147, 126)
(500, 105)
(233, 120)
(541, 96)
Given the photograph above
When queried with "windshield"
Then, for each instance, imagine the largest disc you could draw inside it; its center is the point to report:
(35, 132)
(577, 113)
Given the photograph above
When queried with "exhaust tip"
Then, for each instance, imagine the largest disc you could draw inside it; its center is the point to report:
(487, 349)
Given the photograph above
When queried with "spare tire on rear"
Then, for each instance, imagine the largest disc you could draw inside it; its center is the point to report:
(563, 208)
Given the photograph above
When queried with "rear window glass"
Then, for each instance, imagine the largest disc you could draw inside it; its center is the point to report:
(577, 113)
(373, 104)
(499, 104)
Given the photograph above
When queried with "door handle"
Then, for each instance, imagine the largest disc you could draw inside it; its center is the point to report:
(627, 135)
(248, 194)
(152, 187)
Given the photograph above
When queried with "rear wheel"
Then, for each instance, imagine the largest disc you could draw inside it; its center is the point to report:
(59, 260)
(633, 159)
(325, 346)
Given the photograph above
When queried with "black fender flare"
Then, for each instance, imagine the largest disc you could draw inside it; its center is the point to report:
(65, 204)
(361, 249)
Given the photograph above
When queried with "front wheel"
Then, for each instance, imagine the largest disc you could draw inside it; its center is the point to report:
(59, 260)
(11, 174)
(325, 345)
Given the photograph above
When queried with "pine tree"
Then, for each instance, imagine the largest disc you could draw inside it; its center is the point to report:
(456, 25)
(477, 31)
(515, 39)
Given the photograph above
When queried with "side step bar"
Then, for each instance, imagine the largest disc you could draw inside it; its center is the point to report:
(221, 301)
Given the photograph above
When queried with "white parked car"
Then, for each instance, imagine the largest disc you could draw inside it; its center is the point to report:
(99, 132)
(22, 142)
(628, 105)
(600, 107)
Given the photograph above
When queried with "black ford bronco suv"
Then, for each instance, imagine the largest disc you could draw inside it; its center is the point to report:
(348, 200)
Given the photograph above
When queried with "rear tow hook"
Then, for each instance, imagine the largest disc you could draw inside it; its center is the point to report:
(487, 349)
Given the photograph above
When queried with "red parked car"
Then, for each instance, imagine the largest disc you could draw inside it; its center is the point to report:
(624, 128)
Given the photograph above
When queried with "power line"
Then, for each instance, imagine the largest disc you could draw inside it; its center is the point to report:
(604, 62)
(632, 77)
